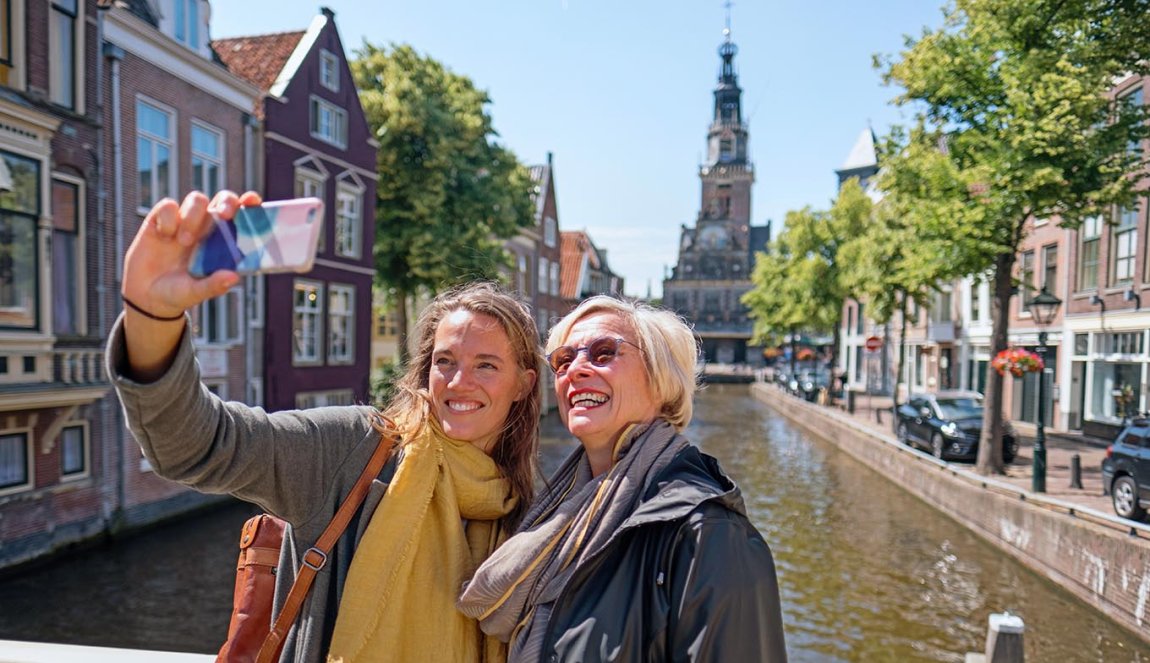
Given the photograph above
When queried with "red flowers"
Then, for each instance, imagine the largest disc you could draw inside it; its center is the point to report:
(1017, 361)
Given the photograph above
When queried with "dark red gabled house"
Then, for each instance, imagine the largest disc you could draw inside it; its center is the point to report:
(316, 143)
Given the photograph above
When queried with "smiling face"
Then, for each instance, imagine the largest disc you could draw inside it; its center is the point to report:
(474, 377)
(598, 402)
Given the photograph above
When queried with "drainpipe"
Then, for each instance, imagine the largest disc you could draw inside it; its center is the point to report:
(105, 412)
(116, 55)
(250, 281)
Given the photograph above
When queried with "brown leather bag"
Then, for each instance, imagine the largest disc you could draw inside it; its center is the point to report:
(252, 637)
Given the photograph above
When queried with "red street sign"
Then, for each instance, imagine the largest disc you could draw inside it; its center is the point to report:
(872, 344)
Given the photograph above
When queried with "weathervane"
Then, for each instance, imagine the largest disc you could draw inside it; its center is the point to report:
(727, 30)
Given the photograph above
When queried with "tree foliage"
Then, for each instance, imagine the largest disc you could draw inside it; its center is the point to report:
(1014, 123)
(448, 193)
(797, 284)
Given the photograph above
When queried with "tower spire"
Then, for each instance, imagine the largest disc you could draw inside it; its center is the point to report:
(727, 30)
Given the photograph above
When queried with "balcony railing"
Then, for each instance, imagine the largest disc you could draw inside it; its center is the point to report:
(78, 366)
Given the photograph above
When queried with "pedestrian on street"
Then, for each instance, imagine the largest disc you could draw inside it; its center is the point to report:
(640, 549)
(458, 481)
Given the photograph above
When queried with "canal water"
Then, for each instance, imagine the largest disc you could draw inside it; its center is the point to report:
(867, 572)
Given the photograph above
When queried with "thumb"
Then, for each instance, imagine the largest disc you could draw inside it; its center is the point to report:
(215, 285)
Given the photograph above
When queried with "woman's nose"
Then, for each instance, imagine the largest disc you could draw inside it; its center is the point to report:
(459, 378)
(581, 364)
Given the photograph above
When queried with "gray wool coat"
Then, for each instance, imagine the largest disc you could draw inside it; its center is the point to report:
(297, 465)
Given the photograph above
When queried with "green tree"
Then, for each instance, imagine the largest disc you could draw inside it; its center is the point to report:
(797, 284)
(1015, 123)
(447, 192)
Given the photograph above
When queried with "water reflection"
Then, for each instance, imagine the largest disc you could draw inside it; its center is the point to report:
(867, 572)
(870, 573)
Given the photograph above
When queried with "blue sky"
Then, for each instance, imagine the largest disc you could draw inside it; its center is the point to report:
(620, 93)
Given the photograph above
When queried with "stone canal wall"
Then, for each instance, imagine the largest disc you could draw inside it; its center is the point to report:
(1101, 559)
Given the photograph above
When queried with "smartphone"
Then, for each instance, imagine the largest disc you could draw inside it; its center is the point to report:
(277, 236)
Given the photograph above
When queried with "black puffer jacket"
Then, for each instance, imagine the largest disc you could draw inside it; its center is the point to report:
(688, 579)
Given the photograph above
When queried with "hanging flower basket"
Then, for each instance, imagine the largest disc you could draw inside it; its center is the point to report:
(1016, 361)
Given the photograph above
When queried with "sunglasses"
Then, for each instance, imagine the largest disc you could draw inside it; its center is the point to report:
(600, 352)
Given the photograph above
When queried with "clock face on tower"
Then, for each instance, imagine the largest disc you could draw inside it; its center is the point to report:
(713, 237)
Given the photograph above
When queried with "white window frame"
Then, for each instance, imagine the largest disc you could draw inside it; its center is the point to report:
(555, 277)
(314, 320)
(305, 400)
(56, 74)
(218, 160)
(347, 317)
(187, 12)
(329, 70)
(228, 312)
(85, 450)
(81, 284)
(543, 275)
(522, 276)
(1125, 237)
(169, 187)
(348, 220)
(327, 122)
(29, 461)
(255, 300)
(1090, 233)
(255, 392)
(312, 183)
(550, 231)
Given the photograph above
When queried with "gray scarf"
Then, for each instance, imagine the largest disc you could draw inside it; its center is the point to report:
(513, 592)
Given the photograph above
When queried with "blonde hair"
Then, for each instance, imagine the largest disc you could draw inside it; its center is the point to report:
(666, 342)
(516, 449)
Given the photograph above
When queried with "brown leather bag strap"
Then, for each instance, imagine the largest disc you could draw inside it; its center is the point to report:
(316, 557)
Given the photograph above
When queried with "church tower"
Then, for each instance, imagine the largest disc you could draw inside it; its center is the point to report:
(717, 254)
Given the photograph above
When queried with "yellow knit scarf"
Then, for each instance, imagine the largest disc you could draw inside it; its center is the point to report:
(399, 599)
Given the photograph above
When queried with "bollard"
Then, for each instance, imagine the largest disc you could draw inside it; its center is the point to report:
(1004, 638)
(1075, 472)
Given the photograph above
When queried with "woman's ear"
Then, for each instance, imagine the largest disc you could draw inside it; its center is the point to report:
(526, 383)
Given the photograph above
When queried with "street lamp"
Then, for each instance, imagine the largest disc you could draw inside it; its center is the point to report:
(1042, 309)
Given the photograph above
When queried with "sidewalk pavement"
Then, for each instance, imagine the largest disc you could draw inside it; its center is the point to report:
(1060, 448)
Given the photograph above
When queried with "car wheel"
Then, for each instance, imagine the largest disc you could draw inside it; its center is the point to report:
(1124, 493)
(937, 445)
(903, 437)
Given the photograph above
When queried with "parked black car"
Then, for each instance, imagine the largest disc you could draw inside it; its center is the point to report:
(949, 425)
(1126, 470)
(807, 383)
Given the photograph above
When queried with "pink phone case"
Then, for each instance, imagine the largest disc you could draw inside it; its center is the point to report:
(277, 236)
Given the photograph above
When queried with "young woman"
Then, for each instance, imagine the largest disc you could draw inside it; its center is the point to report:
(467, 411)
(641, 549)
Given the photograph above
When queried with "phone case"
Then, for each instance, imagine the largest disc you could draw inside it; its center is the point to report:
(277, 236)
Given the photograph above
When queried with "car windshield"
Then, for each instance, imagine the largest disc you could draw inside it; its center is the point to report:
(960, 408)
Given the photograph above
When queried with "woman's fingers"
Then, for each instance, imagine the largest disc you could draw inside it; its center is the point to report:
(195, 221)
(164, 217)
(251, 199)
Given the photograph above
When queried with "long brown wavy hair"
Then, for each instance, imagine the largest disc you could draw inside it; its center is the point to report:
(517, 448)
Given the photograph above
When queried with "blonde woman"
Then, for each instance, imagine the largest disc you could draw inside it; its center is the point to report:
(641, 549)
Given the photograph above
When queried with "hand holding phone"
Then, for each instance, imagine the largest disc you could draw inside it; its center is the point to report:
(277, 236)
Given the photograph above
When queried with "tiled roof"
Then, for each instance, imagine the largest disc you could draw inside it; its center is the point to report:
(577, 252)
(259, 58)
